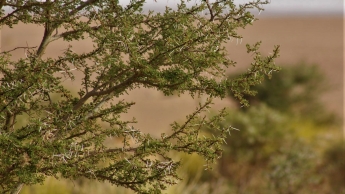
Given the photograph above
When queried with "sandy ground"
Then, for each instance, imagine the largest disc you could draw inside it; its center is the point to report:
(316, 40)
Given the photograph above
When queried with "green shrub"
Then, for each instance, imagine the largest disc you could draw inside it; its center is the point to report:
(295, 90)
(333, 166)
(280, 144)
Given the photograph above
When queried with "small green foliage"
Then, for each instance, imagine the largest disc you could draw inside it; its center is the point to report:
(242, 85)
(175, 52)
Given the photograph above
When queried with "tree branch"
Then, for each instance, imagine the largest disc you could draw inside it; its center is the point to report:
(48, 30)
(18, 188)
(10, 119)
(20, 47)
(82, 6)
(210, 9)
(65, 34)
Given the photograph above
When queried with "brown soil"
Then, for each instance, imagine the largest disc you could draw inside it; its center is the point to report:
(316, 40)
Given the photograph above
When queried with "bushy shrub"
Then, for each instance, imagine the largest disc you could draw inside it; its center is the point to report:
(266, 154)
(333, 166)
(280, 144)
(295, 90)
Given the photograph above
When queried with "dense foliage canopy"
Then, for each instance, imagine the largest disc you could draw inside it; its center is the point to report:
(175, 51)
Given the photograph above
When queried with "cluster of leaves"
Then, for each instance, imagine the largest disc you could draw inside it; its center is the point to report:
(175, 51)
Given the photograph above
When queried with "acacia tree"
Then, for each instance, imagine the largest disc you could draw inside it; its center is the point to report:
(175, 51)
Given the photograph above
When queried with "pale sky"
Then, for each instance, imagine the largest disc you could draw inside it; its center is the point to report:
(310, 7)
(277, 7)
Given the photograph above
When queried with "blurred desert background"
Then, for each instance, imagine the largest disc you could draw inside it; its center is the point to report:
(313, 40)
(310, 39)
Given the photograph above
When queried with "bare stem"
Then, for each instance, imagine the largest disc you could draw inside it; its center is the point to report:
(18, 188)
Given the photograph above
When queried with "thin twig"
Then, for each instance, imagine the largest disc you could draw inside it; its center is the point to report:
(20, 47)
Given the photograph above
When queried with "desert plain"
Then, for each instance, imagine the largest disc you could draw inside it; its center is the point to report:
(311, 39)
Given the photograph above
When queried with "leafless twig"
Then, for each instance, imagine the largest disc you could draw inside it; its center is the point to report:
(20, 47)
